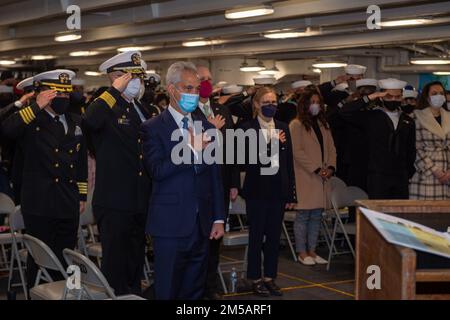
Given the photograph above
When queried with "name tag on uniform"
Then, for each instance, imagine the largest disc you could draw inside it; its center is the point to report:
(123, 121)
(78, 131)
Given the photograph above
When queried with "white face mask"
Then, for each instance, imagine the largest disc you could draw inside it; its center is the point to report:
(133, 88)
(437, 101)
(314, 109)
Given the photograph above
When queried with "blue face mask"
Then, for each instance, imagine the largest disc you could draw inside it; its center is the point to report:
(188, 102)
(269, 110)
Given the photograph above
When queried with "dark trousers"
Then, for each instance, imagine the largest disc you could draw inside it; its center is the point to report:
(58, 234)
(180, 266)
(122, 235)
(265, 218)
(381, 186)
(212, 277)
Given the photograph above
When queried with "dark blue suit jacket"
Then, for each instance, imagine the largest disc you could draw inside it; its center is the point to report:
(181, 194)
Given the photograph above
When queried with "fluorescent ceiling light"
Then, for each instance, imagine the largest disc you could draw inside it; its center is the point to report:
(200, 43)
(7, 62)
(327, 65)
(405, 22)
(269, 72)
(249, 12)
(284, 35)
(442, 73)
(432, 61)
(83, 53)
(135, 48)
(317, 71)
(42, 57)
(93, 73)
(67, 37)
(245, 67)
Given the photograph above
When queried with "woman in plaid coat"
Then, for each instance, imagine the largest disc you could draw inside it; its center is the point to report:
(432, 177)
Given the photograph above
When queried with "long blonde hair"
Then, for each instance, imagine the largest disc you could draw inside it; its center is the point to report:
(261, 92)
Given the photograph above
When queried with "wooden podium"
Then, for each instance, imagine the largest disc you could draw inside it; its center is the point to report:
(400, 277)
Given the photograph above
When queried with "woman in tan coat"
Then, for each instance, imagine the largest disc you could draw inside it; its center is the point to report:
(314, 163)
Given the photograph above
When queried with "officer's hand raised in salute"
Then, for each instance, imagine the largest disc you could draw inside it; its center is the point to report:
(121, 82)
(45, 97)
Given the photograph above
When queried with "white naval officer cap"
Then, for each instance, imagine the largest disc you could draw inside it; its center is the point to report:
(366, 82)
(300, 84)
(410, 94)
(128, 61)
(59, 80)
(391, 84)
(264, 79)
(355, 69)
(26, 84)
(232, 89)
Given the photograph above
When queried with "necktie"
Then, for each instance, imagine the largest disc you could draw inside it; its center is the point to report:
(185, 121)
(60, 130)
(207, 110)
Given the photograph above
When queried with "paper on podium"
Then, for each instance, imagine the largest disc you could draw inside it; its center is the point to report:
(409, 234)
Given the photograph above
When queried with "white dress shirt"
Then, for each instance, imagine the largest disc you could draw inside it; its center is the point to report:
(206, 104)
(141, 115)
(268, 128)
(394, 116)
(62, 119)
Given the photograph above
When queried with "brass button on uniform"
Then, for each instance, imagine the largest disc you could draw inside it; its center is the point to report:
(70, 151)
(56, 150)
(140, 173)
(37, 128)
(56, 165)
(70, 181)
(56, 180)
(139, 140)
(141, 157)
(71, 166)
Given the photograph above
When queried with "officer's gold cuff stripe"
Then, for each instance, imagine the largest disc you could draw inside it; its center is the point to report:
(108, 98)
(82, 187)
(27, 115)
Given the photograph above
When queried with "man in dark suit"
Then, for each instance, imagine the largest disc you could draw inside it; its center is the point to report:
(54, 178)
(122, 186)
(186, 206)
(220, 117)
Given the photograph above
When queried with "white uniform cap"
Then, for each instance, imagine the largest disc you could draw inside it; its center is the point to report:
(232, 89)
(366, 82)
(78, 82)
(129, 61)
(59, 80)
(355, 69)
(6, 89)
(300, 84)
(410, 94)
(155, 76)
(221, 84)
(264, 79)
(341, 86)
(392, 84)
(25, 83)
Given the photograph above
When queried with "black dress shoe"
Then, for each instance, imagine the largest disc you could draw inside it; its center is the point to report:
(260, 289)
(273, 288)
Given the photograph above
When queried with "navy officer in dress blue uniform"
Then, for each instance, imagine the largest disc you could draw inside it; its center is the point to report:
(186, 206)
(121, 184)
(54, 164)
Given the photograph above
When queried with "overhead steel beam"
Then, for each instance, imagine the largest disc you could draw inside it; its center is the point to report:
(331, 42)
(148, 34)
